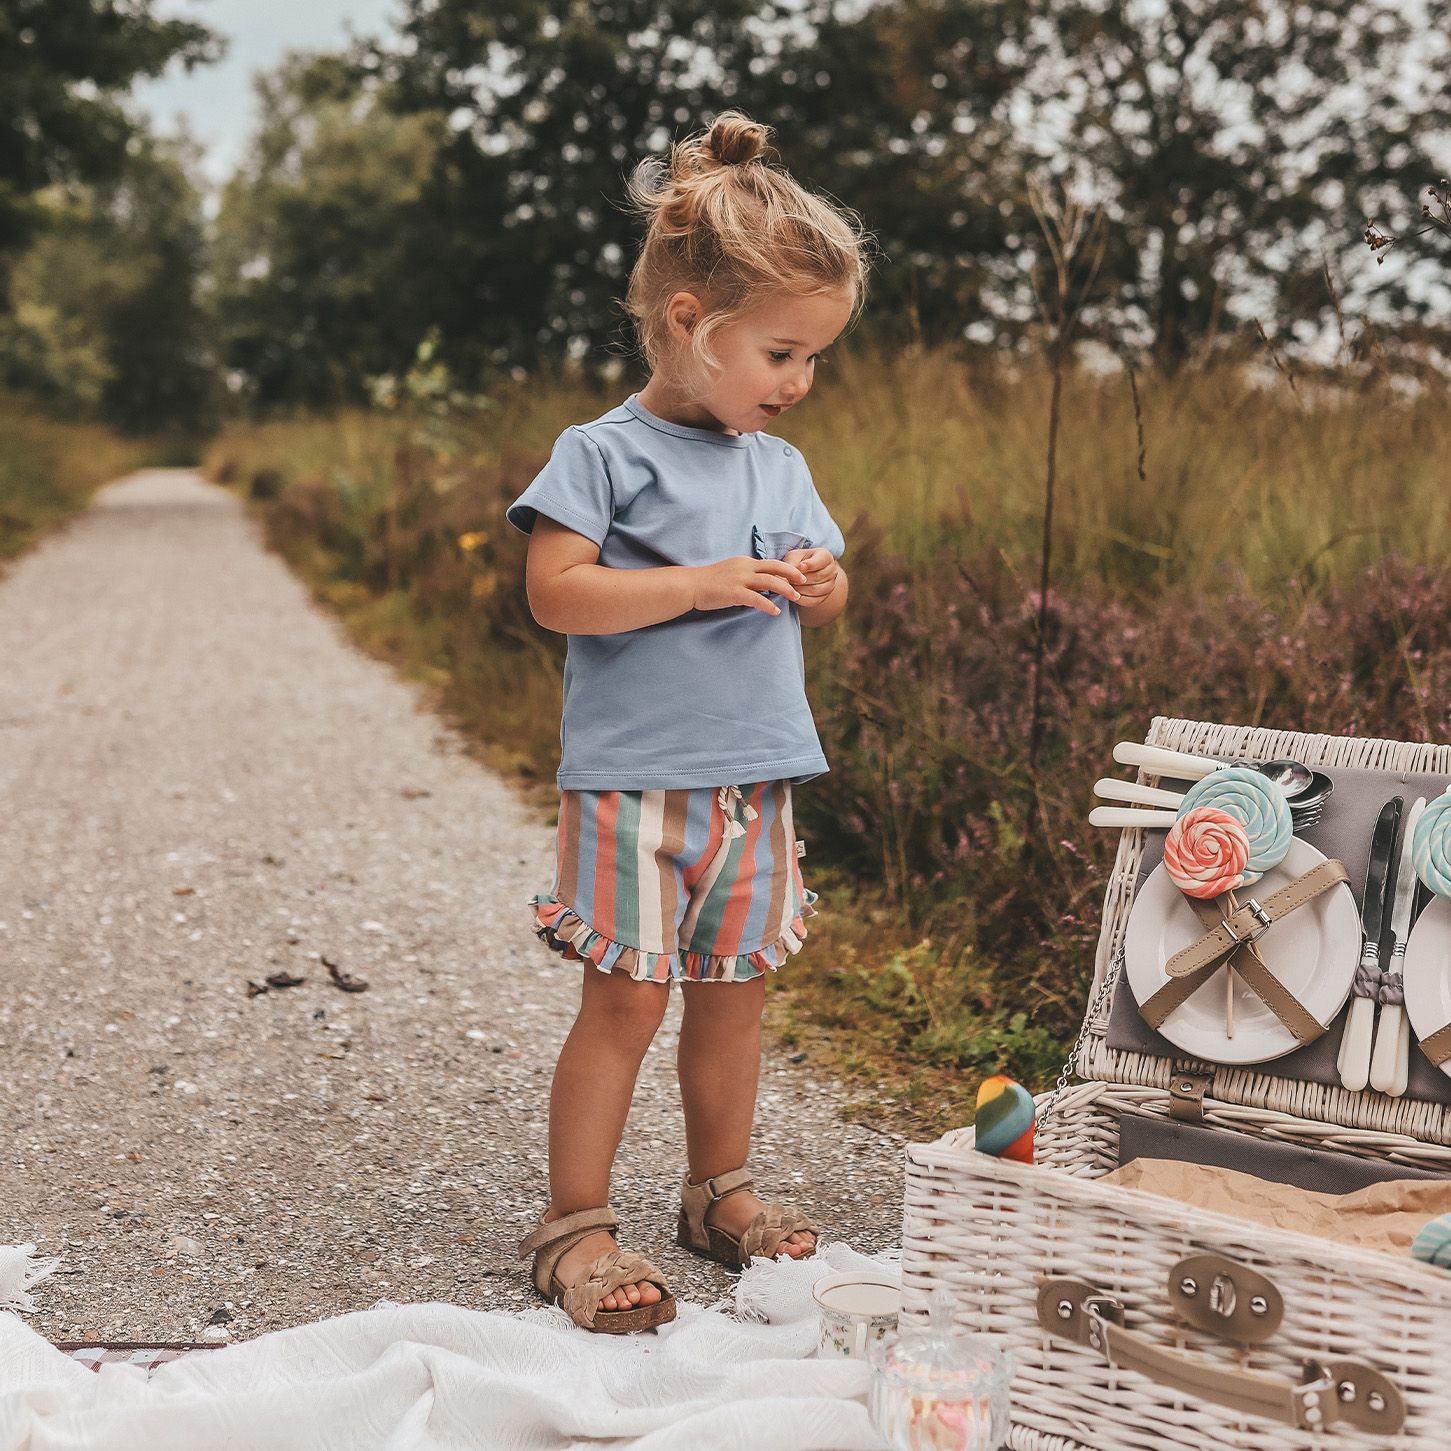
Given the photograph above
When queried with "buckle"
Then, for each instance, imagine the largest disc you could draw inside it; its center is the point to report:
(1263, 923)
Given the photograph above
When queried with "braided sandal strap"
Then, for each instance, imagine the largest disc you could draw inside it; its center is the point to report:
(581, 1300)
(549, 1241)
(771, 1228)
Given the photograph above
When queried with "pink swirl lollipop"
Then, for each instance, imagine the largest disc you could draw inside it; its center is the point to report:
(1206, 851)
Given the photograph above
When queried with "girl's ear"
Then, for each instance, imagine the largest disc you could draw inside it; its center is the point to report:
(682, 313)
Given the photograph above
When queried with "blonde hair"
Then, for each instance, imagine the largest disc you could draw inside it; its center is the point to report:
(728, 227)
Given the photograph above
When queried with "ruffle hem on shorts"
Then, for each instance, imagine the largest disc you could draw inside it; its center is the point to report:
(561, 928)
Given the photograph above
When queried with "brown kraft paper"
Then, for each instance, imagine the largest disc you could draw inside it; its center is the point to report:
(1385, 1217)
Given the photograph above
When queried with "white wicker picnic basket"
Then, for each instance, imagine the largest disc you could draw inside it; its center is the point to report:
(1139, 1322)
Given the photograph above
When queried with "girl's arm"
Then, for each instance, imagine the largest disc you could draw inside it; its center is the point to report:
(572, 593)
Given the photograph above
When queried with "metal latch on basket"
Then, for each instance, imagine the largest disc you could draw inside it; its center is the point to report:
(1186, 1094)
(1225, 1298)
(1328, 1391)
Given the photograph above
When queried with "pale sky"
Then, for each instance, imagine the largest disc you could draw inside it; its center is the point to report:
(217, 100)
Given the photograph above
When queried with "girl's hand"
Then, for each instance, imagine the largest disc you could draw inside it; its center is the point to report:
(743, 581)
(819, 570)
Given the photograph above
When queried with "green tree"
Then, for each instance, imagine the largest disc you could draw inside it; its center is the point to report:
(1231, 141)
(65, 69)
(549, 105)
(905, 111)
(327, 267)
(106, 314)
(1226, 143)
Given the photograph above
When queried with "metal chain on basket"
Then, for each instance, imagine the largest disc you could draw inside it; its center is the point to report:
(1075, 1056)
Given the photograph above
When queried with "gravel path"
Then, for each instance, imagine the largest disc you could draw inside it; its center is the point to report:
(201, 783)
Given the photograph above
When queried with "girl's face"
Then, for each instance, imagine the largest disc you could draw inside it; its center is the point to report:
(768, 358)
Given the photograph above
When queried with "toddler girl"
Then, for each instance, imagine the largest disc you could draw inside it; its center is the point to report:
(681, 548)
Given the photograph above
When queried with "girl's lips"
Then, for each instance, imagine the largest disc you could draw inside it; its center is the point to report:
(772, 408)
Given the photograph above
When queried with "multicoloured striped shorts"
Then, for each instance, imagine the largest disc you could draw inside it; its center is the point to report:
(696, 885)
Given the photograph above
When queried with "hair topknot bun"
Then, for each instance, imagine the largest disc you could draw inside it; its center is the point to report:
(735, 139)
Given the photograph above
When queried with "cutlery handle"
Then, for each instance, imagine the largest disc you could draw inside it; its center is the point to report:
(1387, 1048)
(1164, 762)
(1124, 816)
(1403, 1057)
(1355, 1050)
(1112, 789)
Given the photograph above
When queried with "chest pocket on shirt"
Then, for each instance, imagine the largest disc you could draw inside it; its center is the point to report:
(767, 544)
(777, 544)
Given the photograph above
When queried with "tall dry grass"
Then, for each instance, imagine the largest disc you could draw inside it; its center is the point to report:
(1242, 479)
(1244, 482)
(49, 469)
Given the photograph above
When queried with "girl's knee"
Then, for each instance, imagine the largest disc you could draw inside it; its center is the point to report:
(630, 1012)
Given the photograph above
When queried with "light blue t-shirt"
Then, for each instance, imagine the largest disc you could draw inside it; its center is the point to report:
(712, 697)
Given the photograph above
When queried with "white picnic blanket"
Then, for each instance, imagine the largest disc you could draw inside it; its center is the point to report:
(435, 1377)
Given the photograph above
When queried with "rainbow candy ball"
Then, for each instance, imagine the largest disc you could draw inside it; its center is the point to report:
(1259, 806)
(1005, 1119)
(1431, 846)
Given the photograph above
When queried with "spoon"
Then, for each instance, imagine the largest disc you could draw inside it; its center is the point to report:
(1307, 791)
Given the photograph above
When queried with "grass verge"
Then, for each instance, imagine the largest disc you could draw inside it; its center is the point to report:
(49, 469)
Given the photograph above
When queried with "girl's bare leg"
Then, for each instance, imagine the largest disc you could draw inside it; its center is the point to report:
(594, 1081)
(720, 1066)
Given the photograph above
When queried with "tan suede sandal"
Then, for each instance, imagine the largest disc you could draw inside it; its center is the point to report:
(764, 1235)
(550, 1240)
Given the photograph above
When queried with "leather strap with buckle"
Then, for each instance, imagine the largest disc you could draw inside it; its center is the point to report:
(1249, 923)
(1233, 937)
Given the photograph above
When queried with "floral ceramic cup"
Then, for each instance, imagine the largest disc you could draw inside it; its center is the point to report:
(856, 1310)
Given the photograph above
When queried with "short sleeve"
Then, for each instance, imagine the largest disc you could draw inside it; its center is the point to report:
(821, 528)
(573, 489)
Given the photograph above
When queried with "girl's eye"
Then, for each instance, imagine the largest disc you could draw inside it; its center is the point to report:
(780, 357)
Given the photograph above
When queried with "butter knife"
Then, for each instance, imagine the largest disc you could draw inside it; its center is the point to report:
(1403, 1060)
(1355, 1043)
(1385, 1059)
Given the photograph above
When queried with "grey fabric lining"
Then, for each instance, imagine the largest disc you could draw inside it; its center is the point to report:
(1343, 833)
(1321, 1170)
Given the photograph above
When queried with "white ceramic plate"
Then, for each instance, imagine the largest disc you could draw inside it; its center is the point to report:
(1427, 971)
(1314, 952)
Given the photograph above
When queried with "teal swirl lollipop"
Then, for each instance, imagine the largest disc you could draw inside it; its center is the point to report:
(1256, 802)
(1431, 846)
